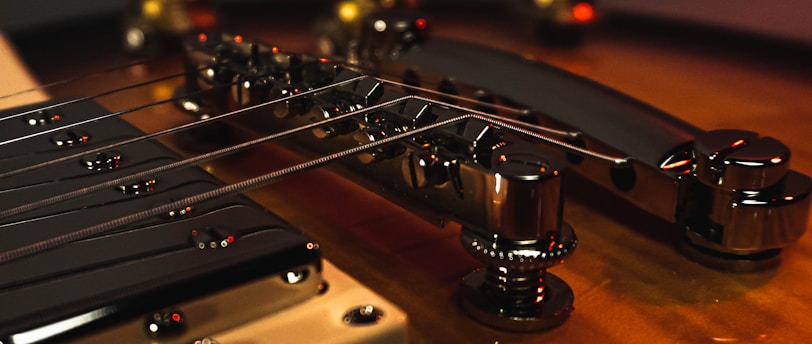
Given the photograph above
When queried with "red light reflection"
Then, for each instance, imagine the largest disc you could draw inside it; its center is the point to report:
(583, 12)
(420, 24)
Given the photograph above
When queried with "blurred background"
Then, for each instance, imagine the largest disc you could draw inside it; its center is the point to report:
(715, 61)
(777, 19)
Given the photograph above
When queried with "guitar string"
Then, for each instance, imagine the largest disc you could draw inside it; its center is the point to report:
(108, 115)
(77, 79)
(94, 74)
(92, 151)
(105, 93)
(107, 147)
(30, 168)
(137, 62)
(184, 163)
(520, 111)
(240, 187)
(163, 132)
(504, 122)
(213, 155)
(86, 98)
(239, 147)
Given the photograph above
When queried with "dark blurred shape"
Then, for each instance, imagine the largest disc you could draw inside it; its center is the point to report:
(340, 33)
(556, 21)
(153, 25)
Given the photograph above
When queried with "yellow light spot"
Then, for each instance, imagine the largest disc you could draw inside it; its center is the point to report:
(151, 9)
(348, 11)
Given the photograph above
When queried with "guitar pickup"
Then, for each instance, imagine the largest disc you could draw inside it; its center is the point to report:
(103, 286)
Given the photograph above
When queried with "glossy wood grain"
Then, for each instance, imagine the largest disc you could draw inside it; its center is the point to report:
(631, 283)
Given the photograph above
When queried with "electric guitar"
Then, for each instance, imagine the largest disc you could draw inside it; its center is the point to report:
(629, 281)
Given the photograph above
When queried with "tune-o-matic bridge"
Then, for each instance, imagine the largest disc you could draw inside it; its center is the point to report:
(444, 161)
(732, 190)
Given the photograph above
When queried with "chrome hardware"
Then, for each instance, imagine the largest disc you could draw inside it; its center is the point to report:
(211, 238)
(70, 138)
(138, 187)
(326, 110)
(287, 108)
(295, 276)
(502, 181)
(424, 169)
(669, 172)
(43, 117)
(164, 323)
(363, 315)
(371, 134)
(102, 161)
(525, 236)
(747, 202)
(206, 340)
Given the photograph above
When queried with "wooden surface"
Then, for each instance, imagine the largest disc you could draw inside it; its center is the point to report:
(630, 282)
(16, 78)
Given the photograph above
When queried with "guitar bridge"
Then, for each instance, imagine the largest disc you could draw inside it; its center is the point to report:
(440, 160)
(500, 178)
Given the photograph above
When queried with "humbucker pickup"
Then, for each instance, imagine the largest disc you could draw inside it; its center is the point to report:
(163, 265)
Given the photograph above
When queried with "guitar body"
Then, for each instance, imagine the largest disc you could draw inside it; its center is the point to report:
(631, 283)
